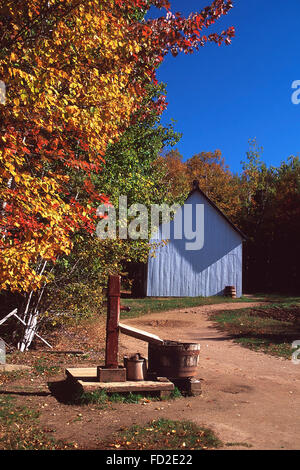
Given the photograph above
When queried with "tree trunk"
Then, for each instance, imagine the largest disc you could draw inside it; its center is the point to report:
(31, 314)
(29, 332)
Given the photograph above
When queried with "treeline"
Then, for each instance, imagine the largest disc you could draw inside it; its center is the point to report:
(264, 202)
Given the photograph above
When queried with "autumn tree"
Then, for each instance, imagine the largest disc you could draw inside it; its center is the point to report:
(216, 180)
(176, 178)
(214, 176)
(75, 73)
(61, 91)
(77, 279)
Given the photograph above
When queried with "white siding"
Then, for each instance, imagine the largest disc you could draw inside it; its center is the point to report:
(177, 272)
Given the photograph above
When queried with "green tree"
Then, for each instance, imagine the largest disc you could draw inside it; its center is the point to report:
(270, 217)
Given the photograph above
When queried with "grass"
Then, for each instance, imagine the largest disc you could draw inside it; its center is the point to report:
(270, 329)
(238, 444)
(19, 429)
(11, 414)
(278, 298)
(44, 367)
(164, 434)
(139, 307)
(102, 398)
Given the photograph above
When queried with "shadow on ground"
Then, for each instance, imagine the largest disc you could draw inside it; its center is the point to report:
(64, 392)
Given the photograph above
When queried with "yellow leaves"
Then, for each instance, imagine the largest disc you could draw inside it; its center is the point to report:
(18, 72)
(73, 110)
(134, 48)
(84, 64)
(44, 186)
(10, 168)
(17, 178)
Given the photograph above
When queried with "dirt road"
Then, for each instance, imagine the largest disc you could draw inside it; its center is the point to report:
(248, 397)
(251, 400)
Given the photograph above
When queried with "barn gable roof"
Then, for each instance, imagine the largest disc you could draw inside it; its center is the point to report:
(196, 188)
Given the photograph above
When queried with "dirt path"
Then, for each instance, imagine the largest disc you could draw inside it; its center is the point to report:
(248, 397)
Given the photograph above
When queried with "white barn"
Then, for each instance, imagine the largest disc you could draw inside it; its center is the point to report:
(176, 271)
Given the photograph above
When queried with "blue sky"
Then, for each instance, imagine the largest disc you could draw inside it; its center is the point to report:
(220, 97)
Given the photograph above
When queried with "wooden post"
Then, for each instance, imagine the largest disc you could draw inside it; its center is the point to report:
(112, 322)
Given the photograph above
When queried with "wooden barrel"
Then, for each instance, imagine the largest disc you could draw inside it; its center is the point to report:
(230, 291)
(173, 359)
